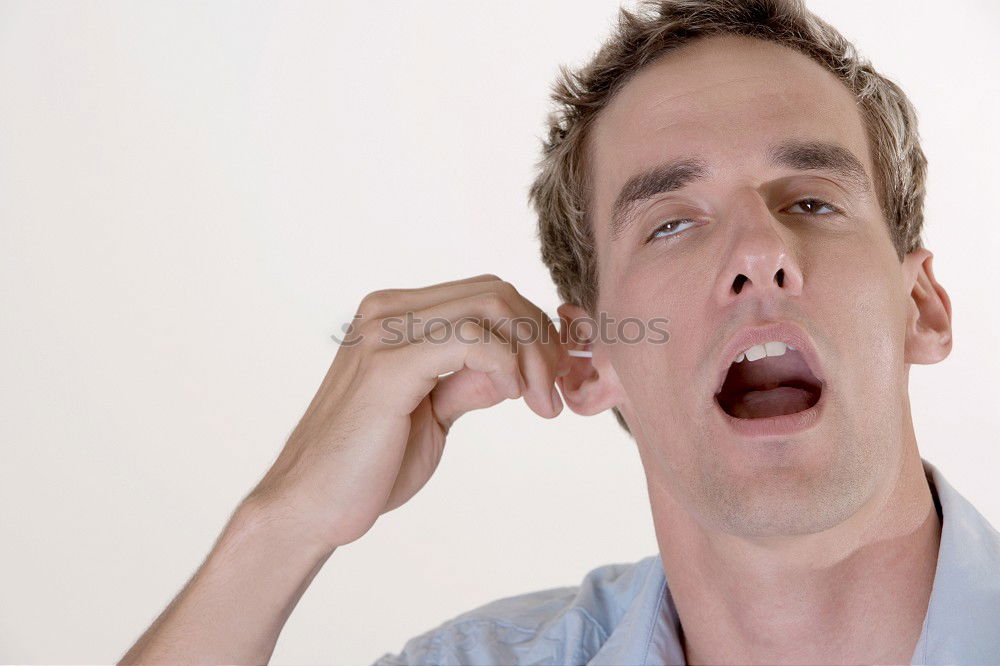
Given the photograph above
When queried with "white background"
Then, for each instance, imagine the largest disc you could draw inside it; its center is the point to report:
(195, 196)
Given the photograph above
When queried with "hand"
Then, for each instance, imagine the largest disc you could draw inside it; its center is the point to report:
(375, 431)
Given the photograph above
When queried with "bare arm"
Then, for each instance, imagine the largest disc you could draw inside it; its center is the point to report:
(234, 607)
(370, 439)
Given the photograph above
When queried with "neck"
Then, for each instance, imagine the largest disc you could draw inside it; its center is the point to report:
(856, 593)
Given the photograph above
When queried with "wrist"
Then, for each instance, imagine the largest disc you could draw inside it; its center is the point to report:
(278, 525)
(234, 607)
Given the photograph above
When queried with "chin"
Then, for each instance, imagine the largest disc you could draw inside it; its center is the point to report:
(797, 485)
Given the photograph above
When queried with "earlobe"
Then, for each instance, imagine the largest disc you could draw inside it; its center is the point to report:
(589, 386)
(928, 330)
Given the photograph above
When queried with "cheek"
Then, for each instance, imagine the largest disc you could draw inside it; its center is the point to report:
(858, 301)
(655, 376)
(654, 282)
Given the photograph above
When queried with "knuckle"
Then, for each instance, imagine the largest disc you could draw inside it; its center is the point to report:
(506, 290)
(494, 303)
(374, 301)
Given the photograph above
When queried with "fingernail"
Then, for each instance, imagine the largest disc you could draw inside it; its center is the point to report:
(556, 401)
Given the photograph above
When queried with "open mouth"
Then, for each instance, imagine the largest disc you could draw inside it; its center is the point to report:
(766, 380)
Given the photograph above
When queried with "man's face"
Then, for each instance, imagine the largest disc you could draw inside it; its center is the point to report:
(759, 129)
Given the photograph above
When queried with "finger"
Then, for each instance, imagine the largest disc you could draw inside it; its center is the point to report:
(541, 354)
(500, 309)
(488, 307)
(464, 391)
(414, 369)
(390, 302)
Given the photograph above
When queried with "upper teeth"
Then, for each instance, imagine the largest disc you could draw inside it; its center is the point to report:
(758, 352)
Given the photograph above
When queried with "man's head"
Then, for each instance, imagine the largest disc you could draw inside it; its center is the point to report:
(730, 165)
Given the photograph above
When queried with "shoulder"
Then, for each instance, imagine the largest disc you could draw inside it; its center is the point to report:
(562, 625)
(960, 625)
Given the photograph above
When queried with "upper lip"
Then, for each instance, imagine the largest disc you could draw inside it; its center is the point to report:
(782, 331)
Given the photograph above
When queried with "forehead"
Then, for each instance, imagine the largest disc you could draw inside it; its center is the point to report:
(724, 99)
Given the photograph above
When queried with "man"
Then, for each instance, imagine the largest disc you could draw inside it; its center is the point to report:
(734, 167)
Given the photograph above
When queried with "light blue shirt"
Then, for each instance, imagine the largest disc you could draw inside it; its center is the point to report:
(624, 614)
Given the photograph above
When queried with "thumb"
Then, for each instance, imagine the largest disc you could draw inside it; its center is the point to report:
(463, 391)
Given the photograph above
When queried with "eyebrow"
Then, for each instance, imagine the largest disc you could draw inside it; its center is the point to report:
(676, 174)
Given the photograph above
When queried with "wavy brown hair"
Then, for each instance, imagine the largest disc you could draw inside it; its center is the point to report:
(559, 193)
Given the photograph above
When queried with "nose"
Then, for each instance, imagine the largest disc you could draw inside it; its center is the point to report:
(759, 263)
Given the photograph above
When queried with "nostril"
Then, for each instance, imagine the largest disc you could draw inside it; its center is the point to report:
(739, 282)
(779, 277)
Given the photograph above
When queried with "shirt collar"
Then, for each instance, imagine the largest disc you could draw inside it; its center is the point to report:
(649, 631)
(962, 614)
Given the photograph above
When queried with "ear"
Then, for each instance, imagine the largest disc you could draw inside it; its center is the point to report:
(591, 385)
(928, 325)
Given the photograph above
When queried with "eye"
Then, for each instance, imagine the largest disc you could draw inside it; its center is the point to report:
(812, 206)
(670, 228)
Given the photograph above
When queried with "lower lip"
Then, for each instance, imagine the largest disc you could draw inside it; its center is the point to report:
(775, 426)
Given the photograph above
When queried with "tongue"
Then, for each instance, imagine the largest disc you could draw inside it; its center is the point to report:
(773, 402)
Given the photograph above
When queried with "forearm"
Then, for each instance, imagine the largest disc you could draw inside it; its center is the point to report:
(234, 607)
